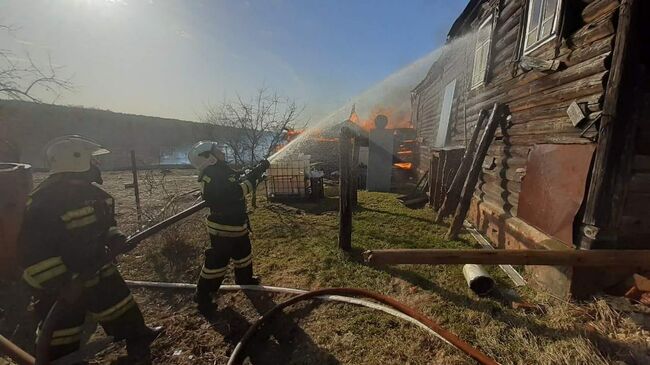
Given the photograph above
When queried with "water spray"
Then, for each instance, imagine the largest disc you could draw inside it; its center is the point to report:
(393, 93)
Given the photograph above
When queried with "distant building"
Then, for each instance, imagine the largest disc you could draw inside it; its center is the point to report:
(26, 127)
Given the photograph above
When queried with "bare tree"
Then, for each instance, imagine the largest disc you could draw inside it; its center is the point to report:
(257, 127)
(22, 79)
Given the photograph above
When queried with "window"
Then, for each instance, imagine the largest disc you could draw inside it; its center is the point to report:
(482, 52)
(543, 21)
(445, 114)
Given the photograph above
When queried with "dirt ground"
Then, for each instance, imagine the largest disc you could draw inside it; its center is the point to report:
(295, 246)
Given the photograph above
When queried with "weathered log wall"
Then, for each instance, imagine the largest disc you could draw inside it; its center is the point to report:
(538, 100)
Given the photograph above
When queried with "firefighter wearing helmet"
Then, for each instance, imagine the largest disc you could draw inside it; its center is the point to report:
(68, 231)
(228, 225)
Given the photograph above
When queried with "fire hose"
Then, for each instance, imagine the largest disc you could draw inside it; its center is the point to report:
(344, 295)
(15, 353)
(334, 294)
(57, 309)
(45, 334)
(450, 337)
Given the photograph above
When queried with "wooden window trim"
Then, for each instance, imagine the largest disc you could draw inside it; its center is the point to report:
(554, 33)
(488, 45)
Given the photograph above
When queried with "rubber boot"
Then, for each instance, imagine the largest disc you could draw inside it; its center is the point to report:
(138, 347)
(204, 304)
(253, 280)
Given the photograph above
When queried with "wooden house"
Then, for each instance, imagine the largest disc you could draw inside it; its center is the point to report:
(570, 169)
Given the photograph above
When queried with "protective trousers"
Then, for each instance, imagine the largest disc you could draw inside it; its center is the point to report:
(216, 262)
(106, 299)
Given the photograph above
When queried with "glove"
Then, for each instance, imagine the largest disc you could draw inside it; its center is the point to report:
(256, 174)
(264, 164)
(116, 241)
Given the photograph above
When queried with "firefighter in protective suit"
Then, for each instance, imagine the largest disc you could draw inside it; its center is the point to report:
(68, 230)
(228, 225)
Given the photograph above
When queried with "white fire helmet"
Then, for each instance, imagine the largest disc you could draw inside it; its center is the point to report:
(204, 154)
(72, 153)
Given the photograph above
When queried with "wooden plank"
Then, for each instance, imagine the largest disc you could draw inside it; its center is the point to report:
(590, 258)
(354, 186)
(602, 187)
(453, 193)
(598, 9)
(345, 198)
(496, 117)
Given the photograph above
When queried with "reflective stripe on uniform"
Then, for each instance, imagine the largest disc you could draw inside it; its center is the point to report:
(35, 275)
(243, 262)
(115, 311)
(246, 187)
(77, 213)
(81, 222)
(107, 270)
(64, 336)
(226, 230)
(213, 273)
(114, 231)
(215, 232)
(78, 218)
(204, 180)
(92, 282)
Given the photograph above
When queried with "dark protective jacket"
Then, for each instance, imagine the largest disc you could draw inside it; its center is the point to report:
(225, 193)
(67, 224)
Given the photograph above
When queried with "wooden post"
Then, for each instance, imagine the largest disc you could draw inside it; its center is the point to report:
(594, 258)
(345, 196)
(433, 175)
(468, 190)
(136, 187)
(450, 202)
(354, 186)
(603, 197)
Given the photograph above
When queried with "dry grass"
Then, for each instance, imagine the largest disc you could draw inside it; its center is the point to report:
(295, 246)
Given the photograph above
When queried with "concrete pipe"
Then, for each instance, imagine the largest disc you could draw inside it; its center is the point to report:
(15, 185)
(478, 279)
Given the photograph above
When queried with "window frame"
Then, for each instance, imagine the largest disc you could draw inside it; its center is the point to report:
(527, 49)
(488, 44)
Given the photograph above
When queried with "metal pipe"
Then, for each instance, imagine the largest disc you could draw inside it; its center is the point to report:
(148, 232)
(478, 279)
(136, 187)
(513, 274)
(20, 356)
(457, 342)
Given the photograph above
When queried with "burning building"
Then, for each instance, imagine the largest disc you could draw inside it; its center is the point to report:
(322, 143)
(569, 169)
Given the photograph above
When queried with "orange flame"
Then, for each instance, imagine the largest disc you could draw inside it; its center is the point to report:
(403, 165)
(396, 119)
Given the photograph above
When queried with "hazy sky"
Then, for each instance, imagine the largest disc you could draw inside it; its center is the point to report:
(171, 58)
